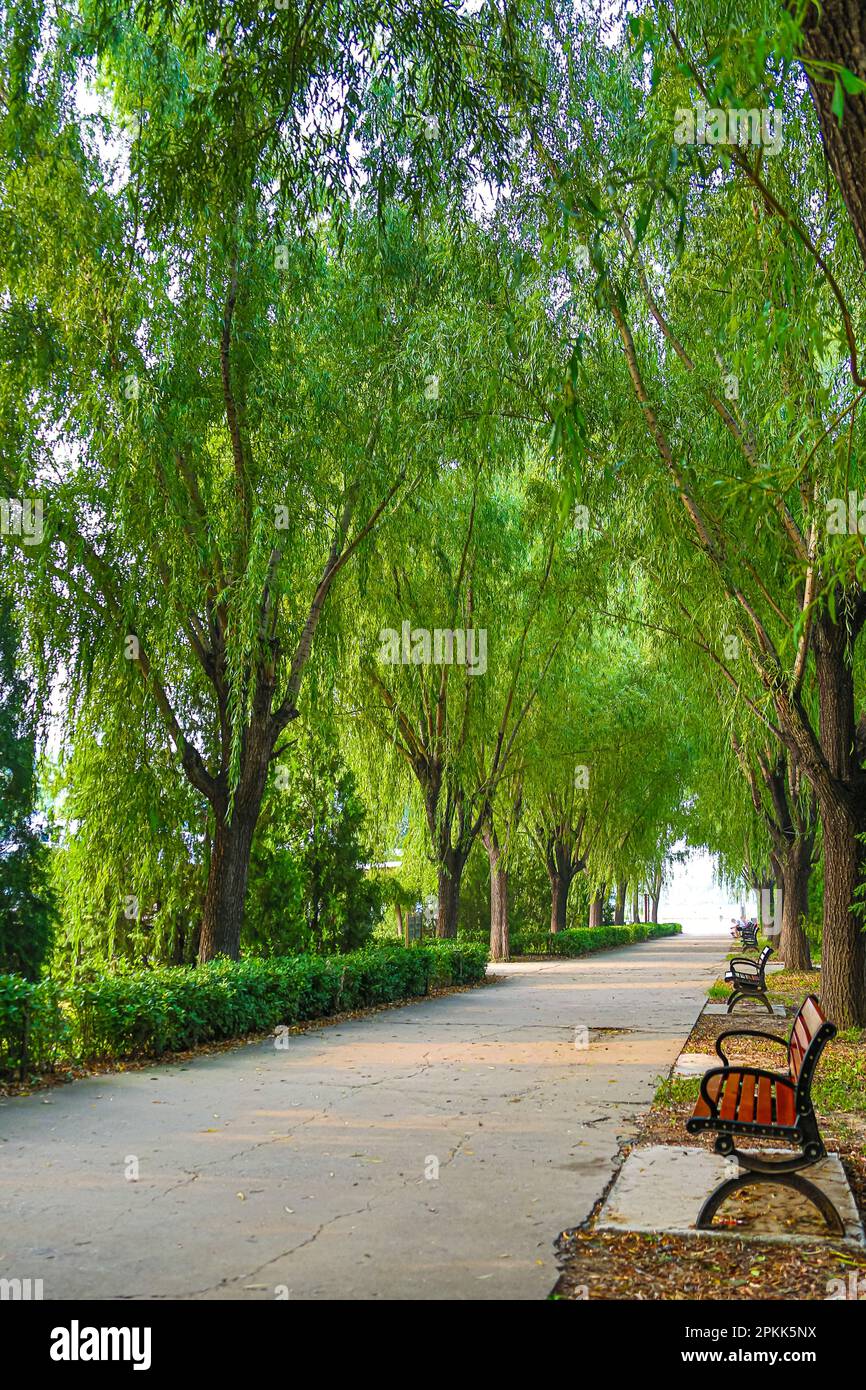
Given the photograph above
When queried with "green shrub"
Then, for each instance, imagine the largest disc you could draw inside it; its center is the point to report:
(34, 1030)
(581, 940)
(141, 1013)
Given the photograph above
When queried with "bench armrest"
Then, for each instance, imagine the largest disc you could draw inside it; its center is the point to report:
(743, 960)
(747, 1033)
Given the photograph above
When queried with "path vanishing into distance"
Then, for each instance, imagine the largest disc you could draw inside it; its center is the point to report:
(311, 1171)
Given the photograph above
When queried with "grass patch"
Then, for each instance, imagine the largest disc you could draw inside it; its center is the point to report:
(840, 1082)
(678, 1090)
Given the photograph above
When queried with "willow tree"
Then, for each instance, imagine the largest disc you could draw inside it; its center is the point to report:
(608, 765)
(569, 781)
(460, 626)
(537, 610)
(825, 42)
(208, 383)
(746, 793)
(736, 346)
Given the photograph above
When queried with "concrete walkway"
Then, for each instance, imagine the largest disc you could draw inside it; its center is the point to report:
(433, 1151)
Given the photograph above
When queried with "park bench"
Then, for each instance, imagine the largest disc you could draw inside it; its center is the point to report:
(749, 936)
(768, 1105)
(746, 978)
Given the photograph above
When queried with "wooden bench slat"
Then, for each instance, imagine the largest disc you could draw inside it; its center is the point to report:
(728, 1108)
(765, 1101)
(812, 1015)
(747, 1100)
(786, 1108)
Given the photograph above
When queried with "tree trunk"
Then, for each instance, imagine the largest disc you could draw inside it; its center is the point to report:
(843, 955)
(450, 874)
(223, 914)
(635, 904)
(836, 34)
(654, 913)
(619, 906)
(793, 867)
(833, 764)
(562, 865)
(842, 805)
(559, 901)
(560, 884)
(596, 907)
(499, 941)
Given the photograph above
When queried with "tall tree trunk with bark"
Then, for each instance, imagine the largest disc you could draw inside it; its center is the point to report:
(842, 801)
(843, 955)
(452, 837)
(596, 907)
(225, 895)
(655, 892)
(558, 836)
(450, 873)
(500, 945)
(835, 35)
(793, 868)
(559, 886)
(234, 828)
(563, 863)
(619, 905)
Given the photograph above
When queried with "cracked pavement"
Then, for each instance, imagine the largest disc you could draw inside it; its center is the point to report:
(433, 1151)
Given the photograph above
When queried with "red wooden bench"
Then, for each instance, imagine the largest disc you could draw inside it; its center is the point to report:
(770, 1105)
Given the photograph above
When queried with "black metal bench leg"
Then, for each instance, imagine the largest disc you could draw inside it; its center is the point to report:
(753, 994)
(807, 1189)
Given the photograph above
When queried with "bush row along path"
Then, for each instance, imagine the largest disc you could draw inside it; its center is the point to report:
(310, 1171)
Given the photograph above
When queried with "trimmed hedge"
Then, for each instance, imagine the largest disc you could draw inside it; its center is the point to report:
(580, 941)
(144, 1013)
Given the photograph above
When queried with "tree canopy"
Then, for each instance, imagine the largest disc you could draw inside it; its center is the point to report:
(438, 426)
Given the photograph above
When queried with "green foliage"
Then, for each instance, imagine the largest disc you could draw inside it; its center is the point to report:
(148, 1012)
(239, 256)
(128, 885)
(26, 904)
(528, 894)
(309, 890)
(34, 1026)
